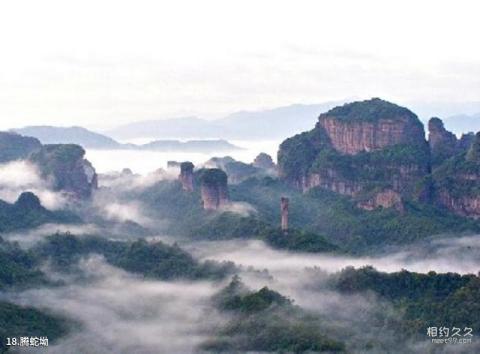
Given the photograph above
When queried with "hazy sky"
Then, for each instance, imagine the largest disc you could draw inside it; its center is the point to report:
(100, 63)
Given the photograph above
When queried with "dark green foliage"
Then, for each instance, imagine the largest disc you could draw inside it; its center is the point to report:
(297, 154)
(473, 153)
(52, 155)
(425, 299)
(212, 177)
(450, 176)
(27, 212)
(182, 211)
(18, 268)
(298, 240)
(236, 297)
(265, 320)
(15, 147)
(342, 223)
(369, 110)
(17, 321)
(153, 260)
(230, 225)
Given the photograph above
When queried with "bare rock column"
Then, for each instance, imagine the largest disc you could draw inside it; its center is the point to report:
(214, 188)
(284, 213)
(186, 176)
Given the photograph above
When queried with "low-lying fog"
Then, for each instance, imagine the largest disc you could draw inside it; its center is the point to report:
(119, 312)
(140, 161)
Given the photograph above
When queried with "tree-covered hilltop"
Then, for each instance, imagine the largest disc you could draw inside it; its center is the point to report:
(16, 147)
(19, 321)
(370, 111)
(266, 321)
(153, 260)
(426, 300)
(27, 212)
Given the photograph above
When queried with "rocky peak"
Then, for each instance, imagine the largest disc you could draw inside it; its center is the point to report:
(186, 176)
(443, 144)
(213, 188)
(369, 126)
(439, 136)
(473, 153)
(65, 166)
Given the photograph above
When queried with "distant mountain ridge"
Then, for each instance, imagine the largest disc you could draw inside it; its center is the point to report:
(91, 140)
(463, 123)
(68, 135)
(263, 124)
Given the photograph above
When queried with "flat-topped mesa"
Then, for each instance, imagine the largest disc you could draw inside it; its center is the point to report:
(186, 176)
(65, 166)
(213, 188)
(284, 214)
(372, 151)
(370, 125)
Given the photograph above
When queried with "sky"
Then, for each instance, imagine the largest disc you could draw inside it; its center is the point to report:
(103, 63)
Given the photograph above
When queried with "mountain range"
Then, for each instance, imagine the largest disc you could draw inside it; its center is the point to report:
(91, 140)
(270, 124)
(277, 123)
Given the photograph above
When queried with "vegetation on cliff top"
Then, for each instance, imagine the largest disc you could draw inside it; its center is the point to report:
(370, 110)
(14, 146)
(212, 177)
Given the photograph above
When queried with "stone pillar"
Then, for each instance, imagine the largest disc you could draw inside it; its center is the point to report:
(284, 213)
(213, 188)
(186, 176)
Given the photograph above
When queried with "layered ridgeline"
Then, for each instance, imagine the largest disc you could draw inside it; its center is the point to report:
(92, 140)
(376, 153)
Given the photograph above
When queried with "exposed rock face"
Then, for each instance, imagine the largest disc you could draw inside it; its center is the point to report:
(457, 182)
(384, 199)
(264, 161)
(359, 148)
(186, 176)
(369, 126)
(284, 214)
(14, 146)
(213, 188)
(65, 166)
(443, 144)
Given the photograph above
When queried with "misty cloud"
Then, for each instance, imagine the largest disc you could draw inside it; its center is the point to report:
(121, 313)
(20, 176)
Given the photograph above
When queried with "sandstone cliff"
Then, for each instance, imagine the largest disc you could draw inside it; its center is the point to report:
(64, 165)
(186, 176)
(213, 188)
(457, 182)
(371, 150)
(369, 126)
